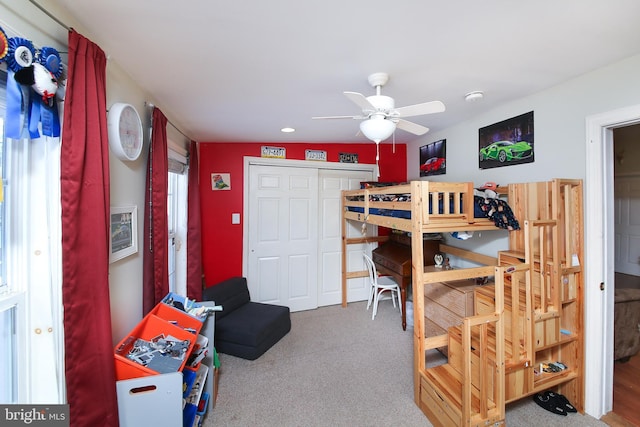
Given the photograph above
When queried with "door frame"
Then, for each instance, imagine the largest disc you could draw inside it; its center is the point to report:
(266, 161)
(599, 256)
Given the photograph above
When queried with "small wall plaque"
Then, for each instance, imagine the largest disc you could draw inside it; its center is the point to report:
(317, 155)
(273, 152)
(348, 157)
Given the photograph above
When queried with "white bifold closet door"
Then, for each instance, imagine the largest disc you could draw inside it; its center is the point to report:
(294, 236)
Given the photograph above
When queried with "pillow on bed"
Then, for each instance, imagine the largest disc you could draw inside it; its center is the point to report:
(497, 210)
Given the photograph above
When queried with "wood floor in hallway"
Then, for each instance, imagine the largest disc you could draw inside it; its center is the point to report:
(626, 389)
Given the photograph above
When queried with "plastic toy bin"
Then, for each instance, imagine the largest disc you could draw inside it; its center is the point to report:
(177, 317)
(162, 320)
(150, 401)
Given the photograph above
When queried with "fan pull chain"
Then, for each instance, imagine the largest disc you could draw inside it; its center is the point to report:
(378, 157)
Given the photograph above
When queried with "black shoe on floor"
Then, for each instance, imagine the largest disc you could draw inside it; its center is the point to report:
(545, 401)
(562, 401)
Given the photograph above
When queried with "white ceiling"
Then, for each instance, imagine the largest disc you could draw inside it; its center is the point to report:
(240, 70)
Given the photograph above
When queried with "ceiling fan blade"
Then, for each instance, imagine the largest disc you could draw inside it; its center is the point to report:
(360, 100)
(340, 117)
(411, 127)
(419, 109)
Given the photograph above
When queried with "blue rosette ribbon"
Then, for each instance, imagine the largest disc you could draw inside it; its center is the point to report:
(45, 113)
(25, 110)
(21, 53)
(50, 58)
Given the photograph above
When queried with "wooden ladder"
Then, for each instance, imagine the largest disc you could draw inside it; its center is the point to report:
(468, 390)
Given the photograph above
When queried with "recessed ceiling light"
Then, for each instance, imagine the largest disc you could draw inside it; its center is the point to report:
(474, 96)
(287, 130)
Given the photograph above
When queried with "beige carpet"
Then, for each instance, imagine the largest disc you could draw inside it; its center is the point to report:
(337, 367)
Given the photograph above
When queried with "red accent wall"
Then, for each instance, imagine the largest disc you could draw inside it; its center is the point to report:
(222, 241)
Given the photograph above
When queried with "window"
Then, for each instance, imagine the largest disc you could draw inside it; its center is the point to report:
(8, 345)
(12, 344)
(8, 307)
(31, 331)
(3, 263)
(172, 210)
(177, 221)
(12, 306)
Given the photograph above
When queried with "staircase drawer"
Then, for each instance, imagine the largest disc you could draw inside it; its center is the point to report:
(457, 296)
(441, 316)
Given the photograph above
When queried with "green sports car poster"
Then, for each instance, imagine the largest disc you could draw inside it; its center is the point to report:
(506, 143)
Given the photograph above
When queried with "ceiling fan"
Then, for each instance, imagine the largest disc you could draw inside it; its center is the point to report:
(379, 115)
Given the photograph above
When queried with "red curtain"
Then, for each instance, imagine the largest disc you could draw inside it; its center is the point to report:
(156, 224)
(194, 244)
(84, 183)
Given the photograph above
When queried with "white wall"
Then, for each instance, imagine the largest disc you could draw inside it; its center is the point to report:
(559, 135)
(127, 189)
(559, 126)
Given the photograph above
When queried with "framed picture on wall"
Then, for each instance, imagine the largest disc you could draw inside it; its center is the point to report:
(123, 224)
(221, 181)
(506, 143)
(433, 158)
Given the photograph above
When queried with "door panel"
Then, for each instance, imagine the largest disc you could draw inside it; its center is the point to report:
(269, 276)
(294, 237)
(282, 236)
(332, 182)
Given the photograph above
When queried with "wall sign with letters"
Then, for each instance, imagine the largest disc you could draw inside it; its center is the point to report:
(273, 152)
(317, 155)
(348, 157)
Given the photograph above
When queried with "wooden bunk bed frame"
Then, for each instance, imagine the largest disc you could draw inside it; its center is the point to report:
(531, 315)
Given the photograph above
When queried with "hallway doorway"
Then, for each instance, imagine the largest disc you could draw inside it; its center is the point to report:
(626, 167)
(600, 255)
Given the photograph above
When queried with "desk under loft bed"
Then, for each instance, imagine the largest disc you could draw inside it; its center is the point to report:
(528, 316)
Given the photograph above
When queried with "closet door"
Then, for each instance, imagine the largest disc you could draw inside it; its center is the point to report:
(283, 236)
(331, 183)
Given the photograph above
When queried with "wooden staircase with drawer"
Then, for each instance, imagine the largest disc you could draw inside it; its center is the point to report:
(531, 316)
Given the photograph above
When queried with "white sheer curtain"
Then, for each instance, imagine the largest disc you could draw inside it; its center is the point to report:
(34, 260)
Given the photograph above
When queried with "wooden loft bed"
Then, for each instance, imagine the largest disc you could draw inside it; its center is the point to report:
(531, 315)
(365, 205)
(403, 205)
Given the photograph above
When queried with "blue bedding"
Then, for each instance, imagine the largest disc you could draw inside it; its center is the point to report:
(495, 209)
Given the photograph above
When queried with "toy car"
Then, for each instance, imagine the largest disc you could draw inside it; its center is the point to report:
(433, 164)
(506, 151)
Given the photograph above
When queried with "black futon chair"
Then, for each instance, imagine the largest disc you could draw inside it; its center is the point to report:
(244, 328)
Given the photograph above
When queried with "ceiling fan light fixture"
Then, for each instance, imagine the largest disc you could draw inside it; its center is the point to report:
(377, 128)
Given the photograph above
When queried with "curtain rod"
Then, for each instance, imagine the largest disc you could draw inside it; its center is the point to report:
(176, 128)
(65, 26)
(50, 15)
(150, 105)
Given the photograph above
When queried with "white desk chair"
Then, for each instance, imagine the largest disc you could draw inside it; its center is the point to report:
(378, 285)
